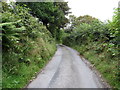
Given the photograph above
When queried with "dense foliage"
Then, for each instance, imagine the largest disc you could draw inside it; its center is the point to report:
(27, 45)
(52, 14)
(30, 31)
(98, 42)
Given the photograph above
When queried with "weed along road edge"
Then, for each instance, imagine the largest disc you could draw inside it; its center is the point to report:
(67, 70)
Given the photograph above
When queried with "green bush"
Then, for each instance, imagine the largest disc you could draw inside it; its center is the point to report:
(27, 46)
(99, 43)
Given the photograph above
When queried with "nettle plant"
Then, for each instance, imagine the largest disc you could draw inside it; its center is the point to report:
(17, 26)
(11, 28)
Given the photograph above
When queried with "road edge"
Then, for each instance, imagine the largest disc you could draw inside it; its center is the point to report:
(92, 67)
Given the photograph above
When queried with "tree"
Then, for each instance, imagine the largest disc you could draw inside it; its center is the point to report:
(77, 21)
(115, 27)
(52, 14)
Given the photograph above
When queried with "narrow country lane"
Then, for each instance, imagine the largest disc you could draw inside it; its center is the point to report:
(67, 70)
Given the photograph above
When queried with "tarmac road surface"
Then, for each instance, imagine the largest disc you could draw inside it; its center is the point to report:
(67, 70)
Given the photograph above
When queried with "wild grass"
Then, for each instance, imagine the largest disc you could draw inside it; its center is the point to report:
(103, 62)
(0, 70)
(16, 73)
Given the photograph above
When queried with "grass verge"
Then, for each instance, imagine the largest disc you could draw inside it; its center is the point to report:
(18, 72)
(106, 65)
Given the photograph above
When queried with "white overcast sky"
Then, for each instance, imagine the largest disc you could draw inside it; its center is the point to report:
(101, 9)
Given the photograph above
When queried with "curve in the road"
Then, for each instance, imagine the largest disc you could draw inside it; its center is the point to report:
(67, 70)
